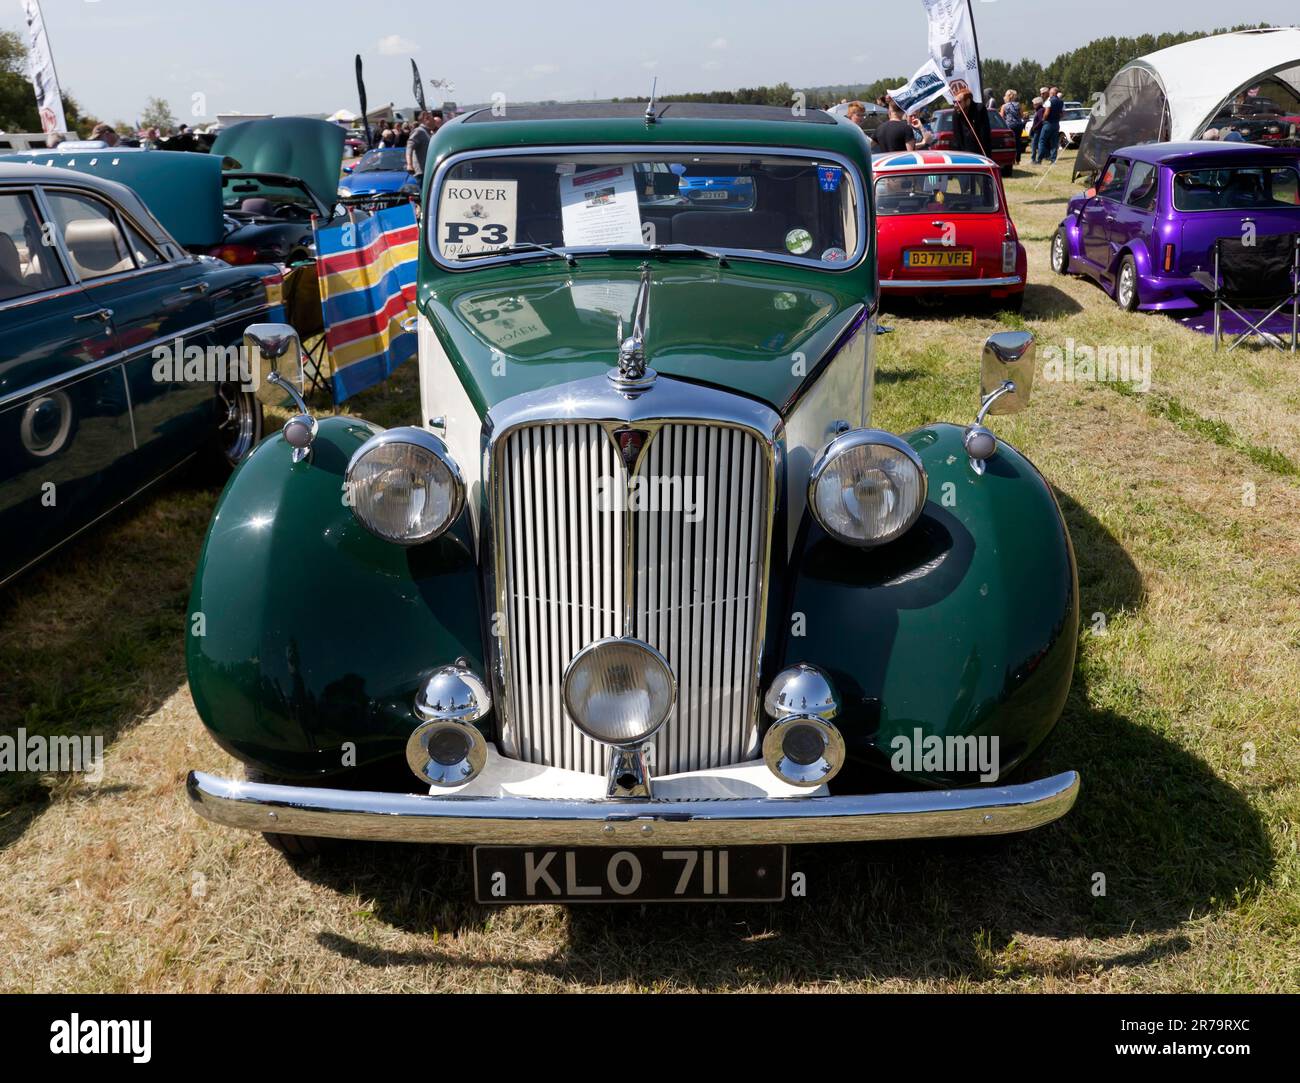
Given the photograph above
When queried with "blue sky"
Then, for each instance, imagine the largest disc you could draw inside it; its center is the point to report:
(290, 56)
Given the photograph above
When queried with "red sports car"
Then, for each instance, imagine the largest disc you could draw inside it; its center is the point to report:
(943, 227)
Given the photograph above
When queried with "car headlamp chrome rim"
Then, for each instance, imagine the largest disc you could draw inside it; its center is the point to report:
(867, 488)
(404, 486)
(619, 691)
(803, 750)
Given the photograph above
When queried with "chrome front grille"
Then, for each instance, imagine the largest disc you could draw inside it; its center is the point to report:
(573, 572)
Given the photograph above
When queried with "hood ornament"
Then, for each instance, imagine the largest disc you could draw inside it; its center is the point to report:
(632, 373)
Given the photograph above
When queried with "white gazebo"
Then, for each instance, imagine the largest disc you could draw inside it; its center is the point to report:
(1174, 94)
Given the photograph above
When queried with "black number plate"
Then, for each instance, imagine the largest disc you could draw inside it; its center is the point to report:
(512, 874)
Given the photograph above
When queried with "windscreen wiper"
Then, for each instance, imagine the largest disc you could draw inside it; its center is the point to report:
(670, 250)
(523, 246)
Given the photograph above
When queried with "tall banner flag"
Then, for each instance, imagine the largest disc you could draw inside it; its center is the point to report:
(49, 101)
(366, 266)
(419, 87)
(361, 93)
(953, 46)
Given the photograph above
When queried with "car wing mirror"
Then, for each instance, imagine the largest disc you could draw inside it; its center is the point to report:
(348, 168)
(1091, 193)
(1006, 380)
(274, 355)
(1008, 359)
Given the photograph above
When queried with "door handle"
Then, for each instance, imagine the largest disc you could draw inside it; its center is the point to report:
(103, 315)
(197, 287)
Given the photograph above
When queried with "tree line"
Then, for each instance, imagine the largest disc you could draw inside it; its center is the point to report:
(1080, 73)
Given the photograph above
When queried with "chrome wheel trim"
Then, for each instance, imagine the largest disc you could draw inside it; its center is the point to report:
(237, 422)
(1058, 252)
(1127, 284)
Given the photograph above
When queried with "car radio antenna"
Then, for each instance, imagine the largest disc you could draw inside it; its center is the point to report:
(650, 117)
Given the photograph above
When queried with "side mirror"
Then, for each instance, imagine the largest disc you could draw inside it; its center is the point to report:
(1009, 358)
(1091, 193)
(274, 349)
(275, 356)
(348, 168)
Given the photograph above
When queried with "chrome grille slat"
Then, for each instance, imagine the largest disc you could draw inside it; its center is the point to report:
(575, 573)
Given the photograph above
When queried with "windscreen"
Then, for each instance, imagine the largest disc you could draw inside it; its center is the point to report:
(762, 205)
(1237, 189)
(964, 192)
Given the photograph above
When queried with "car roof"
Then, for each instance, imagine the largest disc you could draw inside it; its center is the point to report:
(918, 161)
(581, 123)
(637, 111)
(1167, 153)
(16, 173)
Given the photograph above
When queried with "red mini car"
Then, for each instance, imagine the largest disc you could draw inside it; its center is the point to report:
(1003, 150)
(943, 227)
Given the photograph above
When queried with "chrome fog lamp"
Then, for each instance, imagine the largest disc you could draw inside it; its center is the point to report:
(803, 750)
(619, 691)
(868, 487)
(802, 689)
(447, 749)
(404, 486)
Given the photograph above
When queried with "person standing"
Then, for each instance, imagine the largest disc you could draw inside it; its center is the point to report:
(417, 147)
(971, 131)
(894, 134)
(1015, 120)
(1035, 128)
(1049, 136)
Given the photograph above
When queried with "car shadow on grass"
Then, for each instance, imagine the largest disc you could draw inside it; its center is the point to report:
(93, 636)
(1155, 840)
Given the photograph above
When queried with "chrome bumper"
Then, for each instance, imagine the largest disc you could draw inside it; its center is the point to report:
(949, 283)
(390, 817)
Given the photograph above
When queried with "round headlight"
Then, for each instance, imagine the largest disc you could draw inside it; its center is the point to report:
(404, 486)
(868, 487)
(619, 691)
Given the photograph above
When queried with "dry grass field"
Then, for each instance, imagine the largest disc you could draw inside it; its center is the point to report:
(1184, 720)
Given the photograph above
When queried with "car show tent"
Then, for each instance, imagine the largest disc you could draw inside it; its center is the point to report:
(1175, 94)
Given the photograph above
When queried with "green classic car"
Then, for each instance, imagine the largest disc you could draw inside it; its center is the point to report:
(643, 598)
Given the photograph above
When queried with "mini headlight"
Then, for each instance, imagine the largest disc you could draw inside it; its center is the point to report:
(868, 487)
(619, 691)
(404, 486)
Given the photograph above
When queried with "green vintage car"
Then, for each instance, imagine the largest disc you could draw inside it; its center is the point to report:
(642, 597)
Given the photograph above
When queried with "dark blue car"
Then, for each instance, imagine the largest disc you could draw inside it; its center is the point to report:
(379, 172)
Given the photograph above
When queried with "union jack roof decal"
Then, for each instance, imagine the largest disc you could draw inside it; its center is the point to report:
(911, 159)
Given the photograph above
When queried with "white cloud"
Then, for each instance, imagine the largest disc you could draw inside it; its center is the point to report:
(396, 45)
(718, 43)
(544, 69)
(712, 65)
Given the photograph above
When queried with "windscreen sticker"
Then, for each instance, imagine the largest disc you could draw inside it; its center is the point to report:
(477, 216)
(599, 207)
(829, 177)
(834, 255)
(798, 241)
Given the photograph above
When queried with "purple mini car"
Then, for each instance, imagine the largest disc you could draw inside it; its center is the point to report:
(1157, 209)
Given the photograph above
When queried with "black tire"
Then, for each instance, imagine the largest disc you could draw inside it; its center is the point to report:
(295, 847)
(1126, 287)
(239, 424)
(1060, 255)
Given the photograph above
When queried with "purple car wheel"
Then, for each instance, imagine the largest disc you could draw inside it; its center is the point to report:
(1126, 287)
(1060, 253)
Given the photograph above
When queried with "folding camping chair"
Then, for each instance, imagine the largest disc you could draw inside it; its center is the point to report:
(1264, 275)
(302, 308)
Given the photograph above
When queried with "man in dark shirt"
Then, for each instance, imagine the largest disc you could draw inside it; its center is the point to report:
(895, 133)
(970, 126)
(1049, 136)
